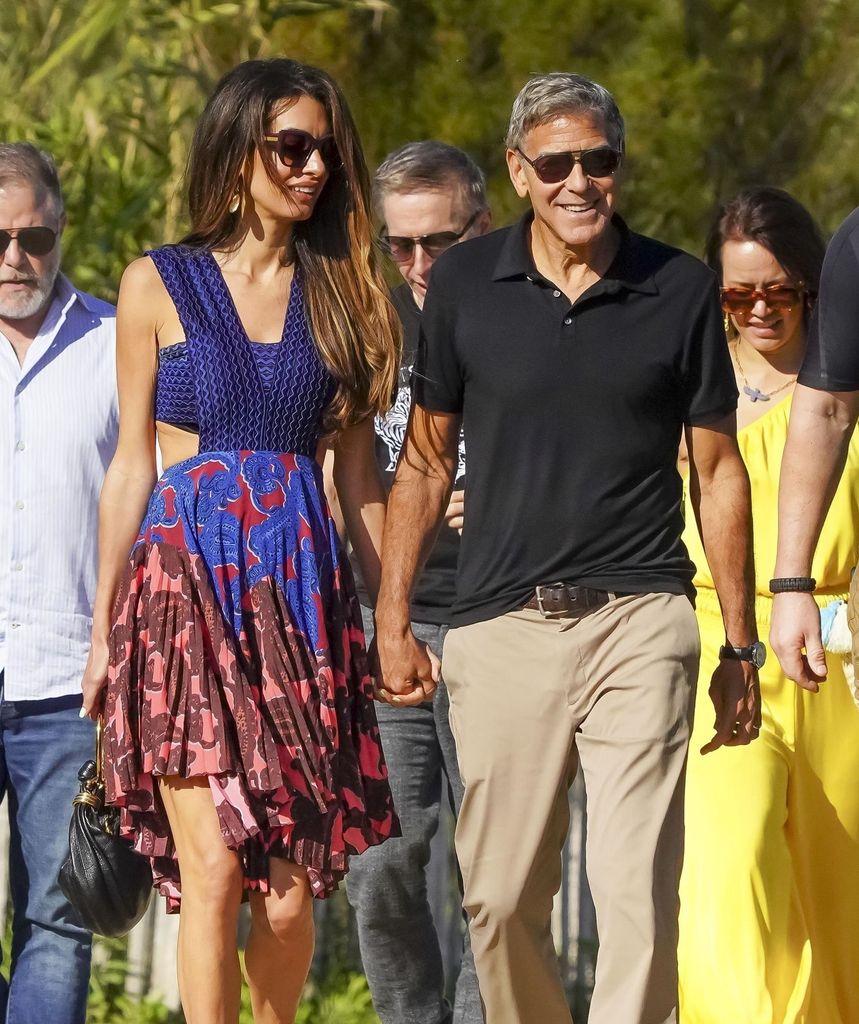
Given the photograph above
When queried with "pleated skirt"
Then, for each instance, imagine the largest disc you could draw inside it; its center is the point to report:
(237, 656)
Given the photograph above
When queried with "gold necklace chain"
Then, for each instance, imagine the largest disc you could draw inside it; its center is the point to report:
(755, 394)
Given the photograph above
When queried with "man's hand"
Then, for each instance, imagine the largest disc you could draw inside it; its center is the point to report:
(407, 670)
(455, 514)
(736, 696)
(796, 627)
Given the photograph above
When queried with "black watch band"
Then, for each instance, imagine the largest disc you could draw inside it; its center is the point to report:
(755, 654)
(793, 585)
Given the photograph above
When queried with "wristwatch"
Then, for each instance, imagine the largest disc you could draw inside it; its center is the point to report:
(755, 653)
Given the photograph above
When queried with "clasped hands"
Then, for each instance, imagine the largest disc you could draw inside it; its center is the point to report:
(405, 670)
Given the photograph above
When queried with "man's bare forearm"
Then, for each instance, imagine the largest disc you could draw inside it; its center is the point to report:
(418, 497)
(722, 504)
(821, 425)
(416, 504)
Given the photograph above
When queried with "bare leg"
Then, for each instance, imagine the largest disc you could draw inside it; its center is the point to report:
(280, 945)
(208, 963)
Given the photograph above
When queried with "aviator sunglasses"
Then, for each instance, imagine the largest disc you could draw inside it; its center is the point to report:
(294, 148)
(776, 296)
(34, 241)
(401, 248)
(552, 168)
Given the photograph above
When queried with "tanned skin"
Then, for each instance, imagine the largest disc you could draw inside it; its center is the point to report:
(821, 425)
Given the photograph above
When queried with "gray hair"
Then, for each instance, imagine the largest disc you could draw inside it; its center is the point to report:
(429, 166)
(546, 96)
(24, 162)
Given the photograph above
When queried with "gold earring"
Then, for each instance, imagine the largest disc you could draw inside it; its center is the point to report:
(726, 320)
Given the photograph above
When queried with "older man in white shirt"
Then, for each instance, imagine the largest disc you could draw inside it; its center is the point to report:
(59, 423)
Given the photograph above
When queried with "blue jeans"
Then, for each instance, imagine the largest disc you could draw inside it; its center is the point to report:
(387, 885)
(43, 743)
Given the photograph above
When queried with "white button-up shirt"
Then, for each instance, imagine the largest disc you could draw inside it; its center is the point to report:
(58, 426)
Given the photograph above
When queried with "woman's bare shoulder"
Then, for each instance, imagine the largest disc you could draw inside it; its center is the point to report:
(145, 303)
(141, 277)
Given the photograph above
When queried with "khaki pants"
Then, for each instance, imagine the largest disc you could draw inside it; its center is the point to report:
(530, 699)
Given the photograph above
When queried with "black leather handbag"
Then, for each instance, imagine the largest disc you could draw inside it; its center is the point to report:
(107, 883)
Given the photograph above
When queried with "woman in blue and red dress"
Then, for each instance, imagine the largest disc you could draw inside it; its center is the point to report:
(241, 740)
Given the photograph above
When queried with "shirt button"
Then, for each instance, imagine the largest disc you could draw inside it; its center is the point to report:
(18, 567)
(20, 446)
(556, 293)
(568, 321)
(19, 505)
(15, 625)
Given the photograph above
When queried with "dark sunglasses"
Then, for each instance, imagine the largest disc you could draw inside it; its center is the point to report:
(776, 296)
(401, 248)
(552, 168)
(294, 147)
(34, 241)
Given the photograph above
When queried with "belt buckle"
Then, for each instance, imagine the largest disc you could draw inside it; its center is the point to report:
(541, 591)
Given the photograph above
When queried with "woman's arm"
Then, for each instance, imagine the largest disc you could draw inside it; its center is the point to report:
(361, 498)
(131, 475)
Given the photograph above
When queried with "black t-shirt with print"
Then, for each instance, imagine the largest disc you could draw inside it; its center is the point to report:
(436, 587)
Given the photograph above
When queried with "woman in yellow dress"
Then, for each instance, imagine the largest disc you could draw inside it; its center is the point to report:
(770, 889)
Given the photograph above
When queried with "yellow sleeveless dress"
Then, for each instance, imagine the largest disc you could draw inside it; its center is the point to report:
(769, 921)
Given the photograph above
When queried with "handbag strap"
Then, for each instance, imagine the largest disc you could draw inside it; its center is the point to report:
(92, 781)
(99, 750)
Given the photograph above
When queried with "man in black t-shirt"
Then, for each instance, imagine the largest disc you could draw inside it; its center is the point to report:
(574, 352)
(822, 419)
(429, 196)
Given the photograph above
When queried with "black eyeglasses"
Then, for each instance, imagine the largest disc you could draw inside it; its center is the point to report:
(34, 241)
(401, 248)
(552, 168)
(294, 147)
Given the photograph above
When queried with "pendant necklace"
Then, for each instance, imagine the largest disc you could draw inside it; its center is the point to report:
(755, 394)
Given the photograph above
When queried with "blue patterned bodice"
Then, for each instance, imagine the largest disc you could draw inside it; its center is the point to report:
(237, 393)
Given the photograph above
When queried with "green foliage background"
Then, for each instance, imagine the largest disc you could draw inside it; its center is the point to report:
(717, 94)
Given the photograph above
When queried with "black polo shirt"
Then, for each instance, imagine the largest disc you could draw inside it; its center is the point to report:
(832, 354)
(573, 413)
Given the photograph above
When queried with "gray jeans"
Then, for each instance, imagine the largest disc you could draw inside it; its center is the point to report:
(387, 885)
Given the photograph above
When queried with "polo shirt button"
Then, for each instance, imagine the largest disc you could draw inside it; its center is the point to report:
(556, 293)
(568, 321)
(18, 567)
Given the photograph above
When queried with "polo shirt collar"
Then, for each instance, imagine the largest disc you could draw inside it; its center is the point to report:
(627, 269)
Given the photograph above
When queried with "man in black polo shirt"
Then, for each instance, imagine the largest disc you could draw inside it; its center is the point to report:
(429, 196)
(575, 353)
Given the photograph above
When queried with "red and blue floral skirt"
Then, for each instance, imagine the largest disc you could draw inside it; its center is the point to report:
(237, 656)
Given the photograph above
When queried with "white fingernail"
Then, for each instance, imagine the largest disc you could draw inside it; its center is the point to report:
(82, 713)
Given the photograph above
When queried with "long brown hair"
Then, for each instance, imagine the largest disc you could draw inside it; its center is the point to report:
(354, 325)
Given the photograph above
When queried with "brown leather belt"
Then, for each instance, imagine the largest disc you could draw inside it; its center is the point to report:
(566, 599)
